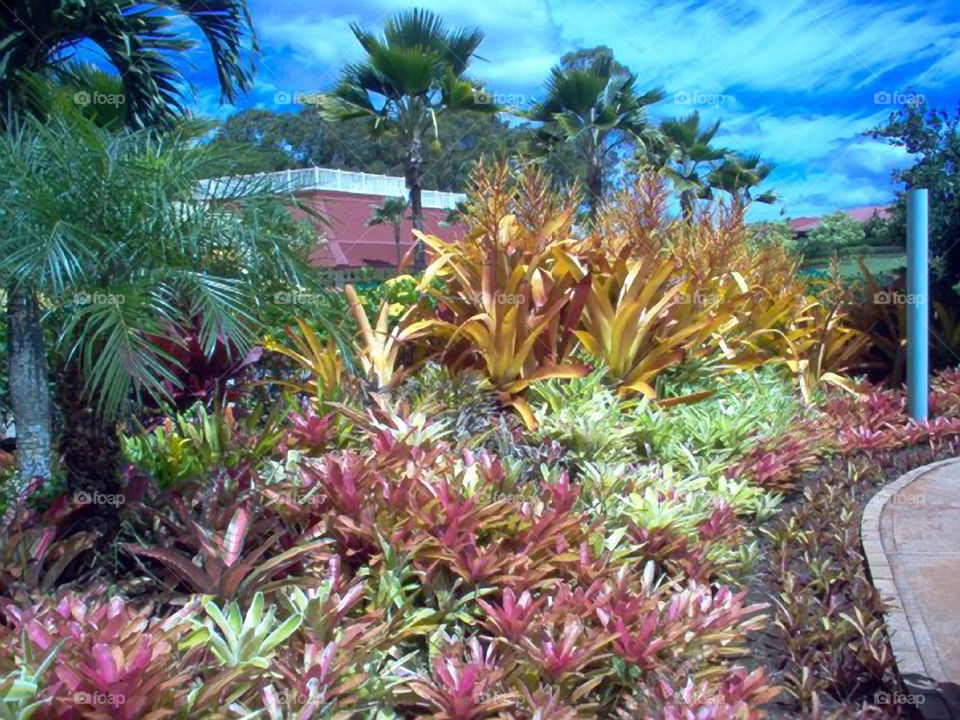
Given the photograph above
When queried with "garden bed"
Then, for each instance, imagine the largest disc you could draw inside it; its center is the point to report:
(606, 476)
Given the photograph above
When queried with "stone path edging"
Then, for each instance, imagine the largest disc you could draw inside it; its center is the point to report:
(903, 632)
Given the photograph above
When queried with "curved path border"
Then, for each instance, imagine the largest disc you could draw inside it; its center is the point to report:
(908, 550)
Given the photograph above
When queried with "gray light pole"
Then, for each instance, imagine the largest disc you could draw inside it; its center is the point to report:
(918, 305)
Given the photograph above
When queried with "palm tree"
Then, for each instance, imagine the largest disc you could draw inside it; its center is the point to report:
(688, 148)
(391, 212)
(108, 230)
(143, 41)
(739, 176)
(411, 75)
(595, 107)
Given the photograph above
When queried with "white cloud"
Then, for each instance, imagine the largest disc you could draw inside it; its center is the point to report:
(798, 76)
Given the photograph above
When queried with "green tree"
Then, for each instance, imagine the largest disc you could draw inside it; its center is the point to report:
(836, 234)
(266, 141)
(688, 151)
(593, 105)
(269, 141)
(391, 211)
(143, 41)
(772, 235)
(412, 75)
(932, 137)
(739, 176)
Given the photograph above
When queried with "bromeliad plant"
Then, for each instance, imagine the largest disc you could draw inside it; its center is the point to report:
(105, 659)
(379, 348)
(36, 549)
(193, 445)
(640, 318)
(321, 359)
(514, 286)
(239, 640)
(227, 549)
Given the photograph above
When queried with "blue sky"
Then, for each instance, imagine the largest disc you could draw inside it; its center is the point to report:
(796, 81)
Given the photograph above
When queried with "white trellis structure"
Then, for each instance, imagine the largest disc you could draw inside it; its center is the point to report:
(317, 178)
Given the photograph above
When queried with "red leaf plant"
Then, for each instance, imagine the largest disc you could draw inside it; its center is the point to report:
(238, 552)
(111, 661)
(37, 548)
(463, 684)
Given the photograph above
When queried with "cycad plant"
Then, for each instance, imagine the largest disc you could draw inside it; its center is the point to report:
(111, 233)
(595, 108)
(412, 74)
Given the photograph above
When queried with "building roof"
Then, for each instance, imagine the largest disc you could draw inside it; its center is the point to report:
(345, 239)
(860, 214)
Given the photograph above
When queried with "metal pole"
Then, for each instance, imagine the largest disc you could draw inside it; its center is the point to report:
(918, 305)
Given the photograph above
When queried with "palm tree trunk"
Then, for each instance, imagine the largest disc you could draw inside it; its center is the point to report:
(686, 204)
(89, 444)
(413, 174)
(396, 240)
(594, 186)
(29, 383)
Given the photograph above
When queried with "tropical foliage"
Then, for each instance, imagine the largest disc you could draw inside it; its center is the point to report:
(602, 468)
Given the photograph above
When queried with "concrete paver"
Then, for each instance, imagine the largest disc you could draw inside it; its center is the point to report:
(911, 537)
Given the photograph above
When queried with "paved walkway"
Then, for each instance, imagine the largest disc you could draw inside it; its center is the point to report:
(911, 537)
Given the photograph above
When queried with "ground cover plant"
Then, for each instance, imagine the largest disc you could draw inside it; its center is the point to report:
(575, 473)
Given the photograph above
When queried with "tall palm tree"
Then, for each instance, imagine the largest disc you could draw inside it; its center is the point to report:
(412, 74)
(144, 42)
(391, 211)
(739, 176)
(595, 107)
(108, 230)
(688, 149)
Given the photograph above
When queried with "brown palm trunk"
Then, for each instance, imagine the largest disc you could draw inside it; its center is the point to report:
(89, 444)
(29, 383)
(594, 187)
(413, 173)
(396, 240)
(686, 204)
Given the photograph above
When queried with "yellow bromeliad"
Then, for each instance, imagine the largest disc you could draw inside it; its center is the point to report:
(512, 303)
(320, 358)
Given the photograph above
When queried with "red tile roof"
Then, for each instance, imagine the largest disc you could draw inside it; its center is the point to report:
(861, 214)
(347, 239)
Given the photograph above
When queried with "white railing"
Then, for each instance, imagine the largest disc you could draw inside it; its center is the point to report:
(317, 178)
